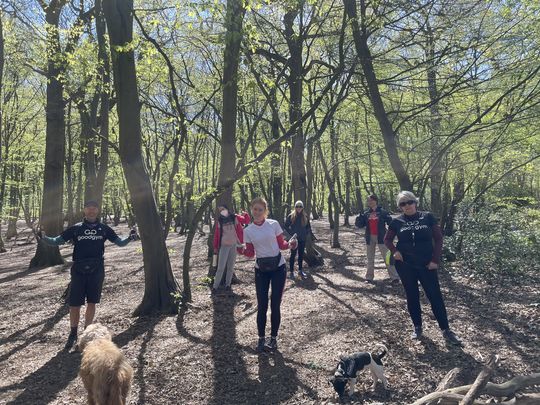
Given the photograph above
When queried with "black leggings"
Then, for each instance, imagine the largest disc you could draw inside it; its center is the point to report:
(410, 275)
(301, 247)
(262, 284)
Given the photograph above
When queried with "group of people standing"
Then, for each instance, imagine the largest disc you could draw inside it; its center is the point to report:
(415, 258)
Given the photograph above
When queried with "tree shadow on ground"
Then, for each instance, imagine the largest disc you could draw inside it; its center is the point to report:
(21, 274)
(232, 384)
(142, 325)
(493, 317)
(43, 385)
(340, 262)
(48, 325)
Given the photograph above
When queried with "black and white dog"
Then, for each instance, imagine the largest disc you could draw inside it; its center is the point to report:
(348, 366)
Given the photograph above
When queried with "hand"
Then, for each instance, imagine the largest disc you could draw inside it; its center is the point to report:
(397, 256)
(39, 234)
(432, 266)
(293, 245)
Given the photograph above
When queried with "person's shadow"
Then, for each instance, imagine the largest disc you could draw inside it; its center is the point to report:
(277, 381)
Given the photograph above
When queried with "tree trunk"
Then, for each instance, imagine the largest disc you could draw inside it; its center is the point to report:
(360, 36)
(233, 38)
(88, 147)
(277, 174)
(348, 185)
(52, 219)
(334, 140)
(104, 71)
(332, 200)
(435, 126)
(2, 163)
(11, 231)
(160, 285)
(295, 81)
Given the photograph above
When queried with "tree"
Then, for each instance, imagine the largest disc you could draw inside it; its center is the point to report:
(160, 286)
(233, 39)
(52, 219)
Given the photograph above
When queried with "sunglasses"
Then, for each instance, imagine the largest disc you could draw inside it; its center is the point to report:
(298, 206)
(404, 203)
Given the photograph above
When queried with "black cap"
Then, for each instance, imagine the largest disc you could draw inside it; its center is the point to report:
(91, 203)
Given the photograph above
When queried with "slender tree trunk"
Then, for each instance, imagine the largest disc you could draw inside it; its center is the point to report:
(52, 219)
(69, 170)
(435, 126)
(334, 141)
(348, 185)
(360, 36)
(233, 22)
(88, 148)
(332, 199)
(277, 174)
(104, 71)
(159, 282)
(11, 231)
(2, 163)
(295, 80)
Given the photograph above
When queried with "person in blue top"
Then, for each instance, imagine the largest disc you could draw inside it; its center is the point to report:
(87, 271)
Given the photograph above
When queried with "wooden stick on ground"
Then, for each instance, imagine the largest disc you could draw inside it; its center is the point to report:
(506, 389)
(481, 381)
(447, 382)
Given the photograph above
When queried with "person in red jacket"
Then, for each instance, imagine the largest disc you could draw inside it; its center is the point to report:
(228, 238)
(264, 239)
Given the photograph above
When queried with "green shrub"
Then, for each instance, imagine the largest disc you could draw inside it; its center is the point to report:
(497, 240)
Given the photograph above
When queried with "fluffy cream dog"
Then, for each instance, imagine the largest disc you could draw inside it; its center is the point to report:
(105, 372)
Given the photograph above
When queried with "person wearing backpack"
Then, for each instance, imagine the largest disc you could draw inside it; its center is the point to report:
(88, 270)
(375, 219)
(228, 238)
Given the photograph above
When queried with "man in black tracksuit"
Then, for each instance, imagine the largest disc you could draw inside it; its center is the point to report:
(88, 271)
(375, 219)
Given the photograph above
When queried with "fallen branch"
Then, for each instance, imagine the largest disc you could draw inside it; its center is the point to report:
(480, 381)
(453, 399)
(447, 382)
(507, 389)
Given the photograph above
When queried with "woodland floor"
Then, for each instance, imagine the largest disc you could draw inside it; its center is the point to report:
(205, 355)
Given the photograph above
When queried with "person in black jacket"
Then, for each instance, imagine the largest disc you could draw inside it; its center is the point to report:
(417, 256)
(297, 222)
(375, 219)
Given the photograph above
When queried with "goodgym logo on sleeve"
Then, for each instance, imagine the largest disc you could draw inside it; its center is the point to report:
(91, 234)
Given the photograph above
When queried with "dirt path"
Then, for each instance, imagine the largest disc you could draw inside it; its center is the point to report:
(206, 355)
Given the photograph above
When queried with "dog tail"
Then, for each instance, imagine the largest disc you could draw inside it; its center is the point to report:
(119, 381)
(380, 354)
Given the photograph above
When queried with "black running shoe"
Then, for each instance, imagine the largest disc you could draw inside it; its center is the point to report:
(302, 274)
(451, 337)
(271, 345)
(417, 333)
(72, 339)
(260, 345)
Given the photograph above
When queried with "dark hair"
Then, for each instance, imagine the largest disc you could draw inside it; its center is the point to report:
(373, 197)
